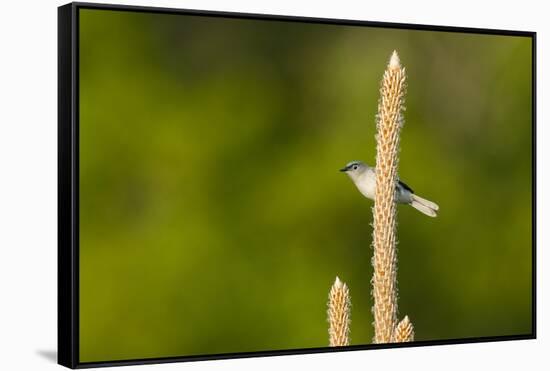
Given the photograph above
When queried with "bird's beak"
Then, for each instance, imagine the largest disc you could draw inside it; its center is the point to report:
(344, 169)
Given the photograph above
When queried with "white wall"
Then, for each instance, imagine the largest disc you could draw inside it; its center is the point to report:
(28, 145)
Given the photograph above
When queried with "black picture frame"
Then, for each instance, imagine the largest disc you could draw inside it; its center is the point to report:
(68, 183)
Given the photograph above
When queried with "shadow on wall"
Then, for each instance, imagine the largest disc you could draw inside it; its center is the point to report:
(50, 355)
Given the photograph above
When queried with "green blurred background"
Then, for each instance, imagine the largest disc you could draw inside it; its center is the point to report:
(213, 218)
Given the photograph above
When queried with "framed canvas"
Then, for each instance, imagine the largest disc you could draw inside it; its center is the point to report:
(237, 185)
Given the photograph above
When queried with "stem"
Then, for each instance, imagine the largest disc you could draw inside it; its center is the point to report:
(389, 123)
(339, 313)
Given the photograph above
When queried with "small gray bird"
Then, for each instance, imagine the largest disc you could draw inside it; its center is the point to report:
(363, 176)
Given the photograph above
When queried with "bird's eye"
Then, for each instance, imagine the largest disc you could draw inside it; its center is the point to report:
(354, 167)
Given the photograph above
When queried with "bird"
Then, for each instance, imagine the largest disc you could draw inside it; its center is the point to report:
(364, 178)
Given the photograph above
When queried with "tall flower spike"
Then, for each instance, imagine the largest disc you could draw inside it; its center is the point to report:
(339, 314)
(404, 332)
(389, 121)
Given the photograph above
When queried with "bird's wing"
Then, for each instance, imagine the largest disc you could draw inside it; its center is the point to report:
(405, 186)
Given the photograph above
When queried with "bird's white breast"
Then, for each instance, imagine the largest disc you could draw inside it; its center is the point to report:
(366, 184)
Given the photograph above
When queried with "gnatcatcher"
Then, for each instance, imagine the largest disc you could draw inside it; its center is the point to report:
(364, 178)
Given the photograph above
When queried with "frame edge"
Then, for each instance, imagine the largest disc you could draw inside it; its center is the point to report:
(67, 260)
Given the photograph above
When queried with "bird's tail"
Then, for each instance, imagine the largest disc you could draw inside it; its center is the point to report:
(424, 206)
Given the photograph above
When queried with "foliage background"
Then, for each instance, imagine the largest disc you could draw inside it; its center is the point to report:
(212, 215)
